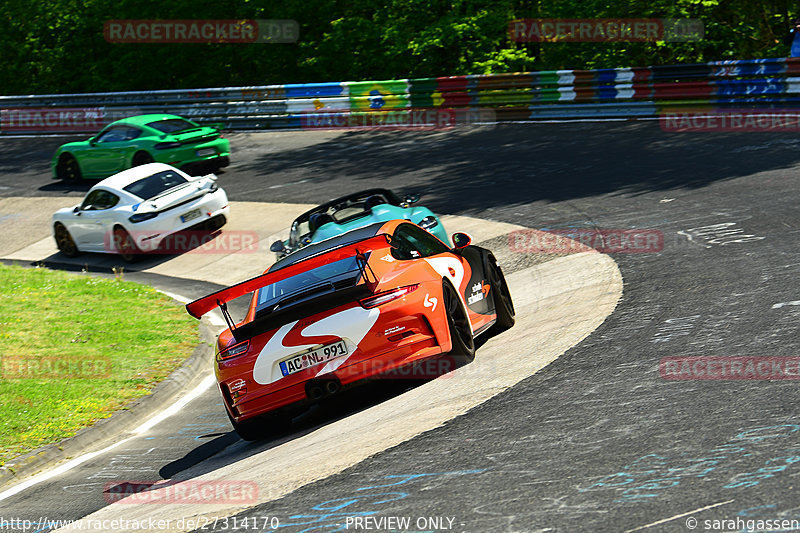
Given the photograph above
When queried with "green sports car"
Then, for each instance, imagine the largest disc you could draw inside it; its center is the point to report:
(134, 141)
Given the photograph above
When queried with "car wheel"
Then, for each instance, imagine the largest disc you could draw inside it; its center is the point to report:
(503, 304)
(261, 427)
(141, 158)
(125, 245)
(68, 169)
(64, 241)
(463, 344)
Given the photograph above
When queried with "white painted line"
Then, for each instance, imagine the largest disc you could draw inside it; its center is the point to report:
(214, 317)
(778, 306)
(287, 184)
(16, 489)
(69, 465)
(176, 297)
(670, 519)
(177, 406)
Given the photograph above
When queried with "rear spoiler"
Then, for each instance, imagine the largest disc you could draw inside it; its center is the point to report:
(220, 298)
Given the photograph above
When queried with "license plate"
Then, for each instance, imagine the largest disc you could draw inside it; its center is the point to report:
(206, 151)
(191, 215)
(313, 358)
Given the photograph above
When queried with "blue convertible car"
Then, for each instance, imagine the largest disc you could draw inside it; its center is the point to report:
(355, 211)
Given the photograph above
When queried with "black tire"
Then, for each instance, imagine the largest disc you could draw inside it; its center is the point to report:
(463, 349)
(68, 169)
(64, 241)
(261, 427)
(141, 158)
(125, 245)
(504, 305)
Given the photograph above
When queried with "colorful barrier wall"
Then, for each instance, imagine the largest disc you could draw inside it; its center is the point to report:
(612, 93)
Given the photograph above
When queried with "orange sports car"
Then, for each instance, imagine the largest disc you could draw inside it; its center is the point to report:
(373, 302)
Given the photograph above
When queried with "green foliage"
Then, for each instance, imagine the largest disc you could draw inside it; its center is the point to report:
(57, 46)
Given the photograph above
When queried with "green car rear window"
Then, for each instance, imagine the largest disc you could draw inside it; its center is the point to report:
(172, 125)
(156, 184)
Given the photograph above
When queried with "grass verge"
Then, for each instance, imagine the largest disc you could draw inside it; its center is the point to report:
(76, 348)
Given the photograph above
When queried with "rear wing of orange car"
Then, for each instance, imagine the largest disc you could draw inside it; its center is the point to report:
(358, 249)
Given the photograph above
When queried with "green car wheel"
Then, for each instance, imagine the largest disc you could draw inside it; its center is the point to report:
(68, 169)
(141, 158)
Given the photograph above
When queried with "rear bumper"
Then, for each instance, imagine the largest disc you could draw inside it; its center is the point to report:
(218, 149)
(418, 359)
(149, 238)
(406, 333)
(212, 163)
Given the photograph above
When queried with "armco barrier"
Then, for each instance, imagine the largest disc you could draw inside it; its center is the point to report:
(560, 94)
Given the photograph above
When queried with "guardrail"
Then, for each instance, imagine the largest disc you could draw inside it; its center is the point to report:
(425, 102)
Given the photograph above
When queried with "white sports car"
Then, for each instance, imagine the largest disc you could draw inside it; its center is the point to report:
(133, 211)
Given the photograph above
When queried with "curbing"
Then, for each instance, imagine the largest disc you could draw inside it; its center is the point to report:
(105, 430)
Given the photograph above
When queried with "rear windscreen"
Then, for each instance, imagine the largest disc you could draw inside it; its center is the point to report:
(172, 125)
(316, 281)
(156, 184)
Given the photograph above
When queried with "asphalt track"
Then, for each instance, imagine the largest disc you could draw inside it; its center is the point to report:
(597, 440)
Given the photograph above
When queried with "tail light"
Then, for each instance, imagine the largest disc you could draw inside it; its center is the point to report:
(388, 296)
(141, 217)
(233, 351)
(167, 145)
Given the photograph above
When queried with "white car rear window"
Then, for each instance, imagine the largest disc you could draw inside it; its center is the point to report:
(156, 184)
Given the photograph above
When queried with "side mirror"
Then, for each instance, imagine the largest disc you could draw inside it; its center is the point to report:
(77, 208)
(460, 240)
(277, 247)
(93, 141)
(411, 198)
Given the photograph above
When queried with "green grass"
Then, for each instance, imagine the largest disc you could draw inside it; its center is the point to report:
(50, 316)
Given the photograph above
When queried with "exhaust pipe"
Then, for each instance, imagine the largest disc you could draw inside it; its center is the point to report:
(316, 392)
(332, 387)
(321, 388)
